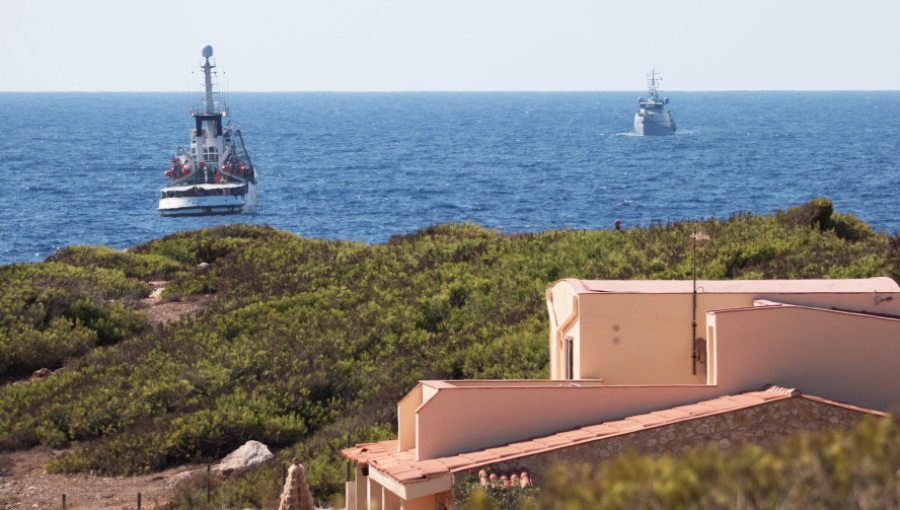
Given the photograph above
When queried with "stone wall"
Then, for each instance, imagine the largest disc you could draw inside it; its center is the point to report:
(765, 424)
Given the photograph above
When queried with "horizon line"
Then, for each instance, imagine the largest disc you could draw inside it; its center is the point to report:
(422, 91)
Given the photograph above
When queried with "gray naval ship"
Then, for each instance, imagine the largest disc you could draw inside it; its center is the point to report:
(653, 119)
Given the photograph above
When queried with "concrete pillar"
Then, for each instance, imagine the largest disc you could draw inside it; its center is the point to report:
(362, 490)
(374, 496)
(350, 496)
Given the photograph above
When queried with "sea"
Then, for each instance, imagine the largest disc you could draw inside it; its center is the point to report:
(86, 168)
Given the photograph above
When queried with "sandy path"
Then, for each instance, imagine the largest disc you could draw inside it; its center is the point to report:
(160, 311)
(25, 485)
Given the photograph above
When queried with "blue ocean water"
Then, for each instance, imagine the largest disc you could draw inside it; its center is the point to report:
(84, 168)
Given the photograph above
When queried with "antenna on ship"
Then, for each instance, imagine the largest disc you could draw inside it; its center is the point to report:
(653, 81)
(212, 118)
(207, 72)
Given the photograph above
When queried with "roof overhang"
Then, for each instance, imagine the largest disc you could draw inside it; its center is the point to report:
(415, 488)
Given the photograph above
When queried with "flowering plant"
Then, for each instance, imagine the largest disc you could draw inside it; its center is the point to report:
(500, 493)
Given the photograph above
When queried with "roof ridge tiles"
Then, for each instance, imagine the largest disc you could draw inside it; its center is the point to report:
(454, 461)
(696, 410)
(772, 388)
(745, 398)
(528, 446)
(600, 430)
(553, 440)
(625, 425)
(647, 420)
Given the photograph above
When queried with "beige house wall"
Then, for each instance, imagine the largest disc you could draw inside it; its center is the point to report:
(468, 419)
(561, 305)
(766, 425)
(406, 418)
(646, 338)
(839, 356)
(390, 501)
(423, 503)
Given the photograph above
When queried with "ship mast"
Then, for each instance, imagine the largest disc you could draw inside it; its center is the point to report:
(210, 105)
(207, 71)
(652, 82)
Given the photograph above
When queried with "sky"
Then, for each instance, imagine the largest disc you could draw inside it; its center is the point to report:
(450, 45)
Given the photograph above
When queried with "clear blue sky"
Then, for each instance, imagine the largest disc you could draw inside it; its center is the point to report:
(369, 45)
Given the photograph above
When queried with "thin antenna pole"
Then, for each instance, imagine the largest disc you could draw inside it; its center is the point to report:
(694, 320)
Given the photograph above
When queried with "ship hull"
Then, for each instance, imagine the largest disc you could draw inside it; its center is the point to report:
(215, 205)
(648, 126)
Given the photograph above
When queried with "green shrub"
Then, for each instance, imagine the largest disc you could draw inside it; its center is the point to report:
(50, 312)
(815, 212)
(173, 250)
(132, 265)
(819, 213)
(832, 469)
(851, 228)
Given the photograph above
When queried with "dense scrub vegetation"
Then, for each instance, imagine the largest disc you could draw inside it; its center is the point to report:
(831, 469)
(310, 339)
(53, 311)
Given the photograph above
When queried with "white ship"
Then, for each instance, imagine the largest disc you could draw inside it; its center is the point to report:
(653, 119)
(216, 176)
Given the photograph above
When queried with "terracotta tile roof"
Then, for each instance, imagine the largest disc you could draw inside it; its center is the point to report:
(696, 409)
(403, 467)
(454, 462)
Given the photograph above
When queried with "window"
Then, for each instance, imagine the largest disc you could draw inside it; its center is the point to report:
(568, 357)
(209, 154)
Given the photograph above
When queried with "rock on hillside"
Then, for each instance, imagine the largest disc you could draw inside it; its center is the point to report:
(251, 454)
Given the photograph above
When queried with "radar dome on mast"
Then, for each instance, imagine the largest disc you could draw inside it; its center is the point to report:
(207, 51)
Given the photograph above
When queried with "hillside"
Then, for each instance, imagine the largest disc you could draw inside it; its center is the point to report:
(308, 340)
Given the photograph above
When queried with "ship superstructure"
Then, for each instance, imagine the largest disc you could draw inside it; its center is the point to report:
(215, 176)
(653, 119)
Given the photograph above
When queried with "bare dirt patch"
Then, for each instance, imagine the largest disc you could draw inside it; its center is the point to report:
(25, 486)
(160, 311)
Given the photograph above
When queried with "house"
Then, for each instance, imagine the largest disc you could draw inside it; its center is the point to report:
(629, 368)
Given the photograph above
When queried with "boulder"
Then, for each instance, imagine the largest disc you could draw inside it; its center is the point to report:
(203, 265)
(180, 477)
(40, 374)
(249, 455)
